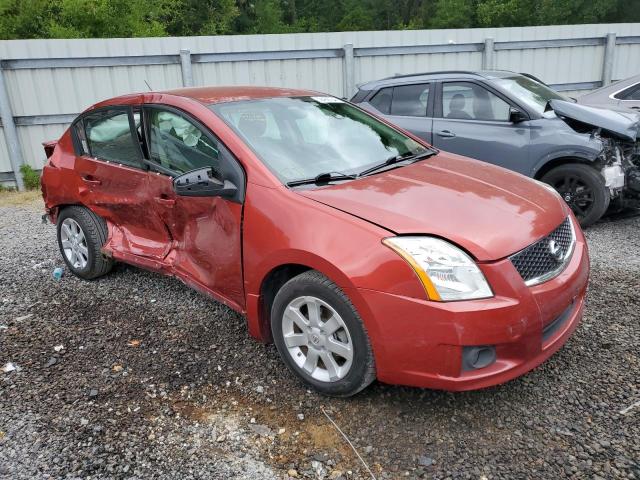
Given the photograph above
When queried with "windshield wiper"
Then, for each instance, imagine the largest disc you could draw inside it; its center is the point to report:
(397, 159)
(325, 177)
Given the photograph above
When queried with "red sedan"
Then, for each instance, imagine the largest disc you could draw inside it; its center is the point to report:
(361, 251)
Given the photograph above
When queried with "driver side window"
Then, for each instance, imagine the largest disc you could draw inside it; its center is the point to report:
(469, 101)
(178, 144)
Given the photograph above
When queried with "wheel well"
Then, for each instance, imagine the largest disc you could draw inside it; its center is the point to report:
(556, 162)
(272, 283)
(57, 210)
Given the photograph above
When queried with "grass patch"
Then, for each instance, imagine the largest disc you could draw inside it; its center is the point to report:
(30, 177)
(11, 198)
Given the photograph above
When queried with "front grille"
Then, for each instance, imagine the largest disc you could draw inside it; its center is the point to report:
(547, 257)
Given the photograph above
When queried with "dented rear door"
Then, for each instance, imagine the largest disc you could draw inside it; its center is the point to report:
(113, 182)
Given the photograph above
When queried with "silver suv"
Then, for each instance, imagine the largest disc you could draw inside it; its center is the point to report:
(591, 156)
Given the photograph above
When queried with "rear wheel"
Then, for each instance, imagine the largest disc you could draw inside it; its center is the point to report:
(81, 235)
(583, 188)
(321, 337)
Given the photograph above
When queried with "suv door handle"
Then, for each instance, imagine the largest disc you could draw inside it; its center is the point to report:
(167, 202)
(91, 180)
(445, 134)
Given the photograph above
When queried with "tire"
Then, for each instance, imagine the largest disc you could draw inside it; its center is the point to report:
(88, 262)
(583, 188)
(339, 376)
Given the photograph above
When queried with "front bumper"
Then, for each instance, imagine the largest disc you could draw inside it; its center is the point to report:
(420, 343)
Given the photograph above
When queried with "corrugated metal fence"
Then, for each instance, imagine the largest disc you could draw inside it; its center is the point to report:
(45, 83)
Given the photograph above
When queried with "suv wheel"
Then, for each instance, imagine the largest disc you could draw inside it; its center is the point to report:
(321, 337)
(81, 234)
(583, 188)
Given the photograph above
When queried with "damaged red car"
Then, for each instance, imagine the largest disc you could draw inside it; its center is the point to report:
(357, 248)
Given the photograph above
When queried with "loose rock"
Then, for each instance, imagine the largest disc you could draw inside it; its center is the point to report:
(562, 419)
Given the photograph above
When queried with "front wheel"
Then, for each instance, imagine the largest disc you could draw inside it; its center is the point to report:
(583, 188)
(321, 337)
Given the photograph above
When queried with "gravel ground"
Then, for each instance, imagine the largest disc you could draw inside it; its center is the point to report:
(136, 376)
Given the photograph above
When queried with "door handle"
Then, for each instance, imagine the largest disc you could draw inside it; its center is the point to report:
(90, 180)
(446, 134)
(167, 202)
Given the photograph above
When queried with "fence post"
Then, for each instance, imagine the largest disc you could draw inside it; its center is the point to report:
(10, 132)
(607, 64)
(487, 54)
(185, 66)
(348, 72)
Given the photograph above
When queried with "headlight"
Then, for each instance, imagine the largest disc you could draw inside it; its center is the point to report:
(446, 272)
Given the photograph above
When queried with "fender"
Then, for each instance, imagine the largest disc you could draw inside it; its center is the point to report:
(254, 305)
(586, 155)
(288, 257)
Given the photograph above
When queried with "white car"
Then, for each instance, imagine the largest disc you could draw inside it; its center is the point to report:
(625, 94)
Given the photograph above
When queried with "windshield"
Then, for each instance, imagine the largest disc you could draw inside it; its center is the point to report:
(301, 137)
(527, 90)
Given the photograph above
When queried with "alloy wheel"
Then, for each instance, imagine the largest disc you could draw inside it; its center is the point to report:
(317, 339)
(74, 244)
(576, 193)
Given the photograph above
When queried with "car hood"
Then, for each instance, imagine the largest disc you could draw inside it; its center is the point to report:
(621, 123)
(489, 211)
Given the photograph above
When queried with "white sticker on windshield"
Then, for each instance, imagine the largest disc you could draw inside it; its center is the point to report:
(327, 100)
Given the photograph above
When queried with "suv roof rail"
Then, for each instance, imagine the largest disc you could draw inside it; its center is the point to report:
(468, 72)
(533, 77)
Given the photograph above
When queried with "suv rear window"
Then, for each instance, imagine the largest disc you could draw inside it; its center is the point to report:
(403, 100)
(382, 100)
(630, 93)
(410, 100)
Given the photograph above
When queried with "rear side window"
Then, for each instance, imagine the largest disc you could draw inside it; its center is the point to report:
(382, 100)
(109, 136)
(80, 139)
(403, 100)
(410, 100)
(631, 93)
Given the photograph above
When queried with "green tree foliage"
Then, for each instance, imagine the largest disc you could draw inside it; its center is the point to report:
(138, 18)
(196, 17)
(506, 13)
(29, 19)
(269, 17)
(453, 14)
(357, 16)
(104, 18)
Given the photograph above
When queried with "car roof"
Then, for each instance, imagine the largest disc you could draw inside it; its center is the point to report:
(209, 95)
(439, 75)
(604, 92)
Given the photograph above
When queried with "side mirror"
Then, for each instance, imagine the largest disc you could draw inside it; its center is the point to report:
(517, 116)
(202, 183)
